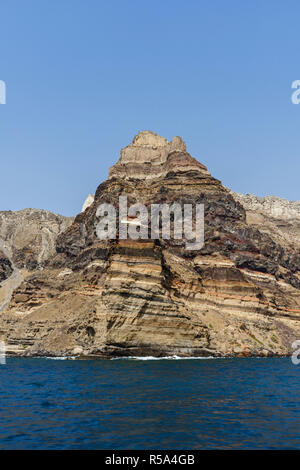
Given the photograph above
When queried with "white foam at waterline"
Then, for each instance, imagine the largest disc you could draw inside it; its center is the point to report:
(153, 358)
(61, 358)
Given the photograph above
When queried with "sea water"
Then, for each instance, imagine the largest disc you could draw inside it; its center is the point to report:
(247, 403)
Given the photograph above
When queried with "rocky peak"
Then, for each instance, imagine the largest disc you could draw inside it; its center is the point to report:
(148, 139)
(151, 156)
(148, 147)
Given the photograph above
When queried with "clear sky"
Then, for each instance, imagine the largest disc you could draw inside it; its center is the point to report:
(83, 77)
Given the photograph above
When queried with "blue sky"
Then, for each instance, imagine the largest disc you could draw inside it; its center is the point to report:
(83, 77)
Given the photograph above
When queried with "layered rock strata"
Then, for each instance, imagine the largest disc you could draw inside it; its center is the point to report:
(238, 295)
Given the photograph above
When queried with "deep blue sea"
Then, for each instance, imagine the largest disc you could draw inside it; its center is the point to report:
(242, 403)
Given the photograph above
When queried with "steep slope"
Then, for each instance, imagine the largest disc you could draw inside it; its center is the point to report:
(238, 295)
(29, 235)
(277, 217)
(27, 240)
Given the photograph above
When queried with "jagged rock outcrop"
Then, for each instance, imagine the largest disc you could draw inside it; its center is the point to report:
(271, 206)
(238, 295)
(273, 215)
(151, 156)
(29, 235)
(27, 241)
(5, 267)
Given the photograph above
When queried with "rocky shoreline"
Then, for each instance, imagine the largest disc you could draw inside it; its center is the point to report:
(142, 356)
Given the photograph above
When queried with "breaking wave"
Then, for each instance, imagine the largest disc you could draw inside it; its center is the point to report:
(61, 358)
(164, 358)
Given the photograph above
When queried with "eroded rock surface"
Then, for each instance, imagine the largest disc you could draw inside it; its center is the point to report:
(151, 156)
(238, 295)
(5, 267)
(29, 235)
(27, 241)
(276, 216)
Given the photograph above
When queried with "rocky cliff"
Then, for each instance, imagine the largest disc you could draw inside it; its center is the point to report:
(273, 215)
(237, 295)
(5, 267)
(29, 236)
(27, 241)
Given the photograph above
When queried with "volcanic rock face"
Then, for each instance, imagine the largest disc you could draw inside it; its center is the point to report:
(29, 236)
(238, 295)
(5, 267)
(277, 217)
(151, 156)
(27, 241)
